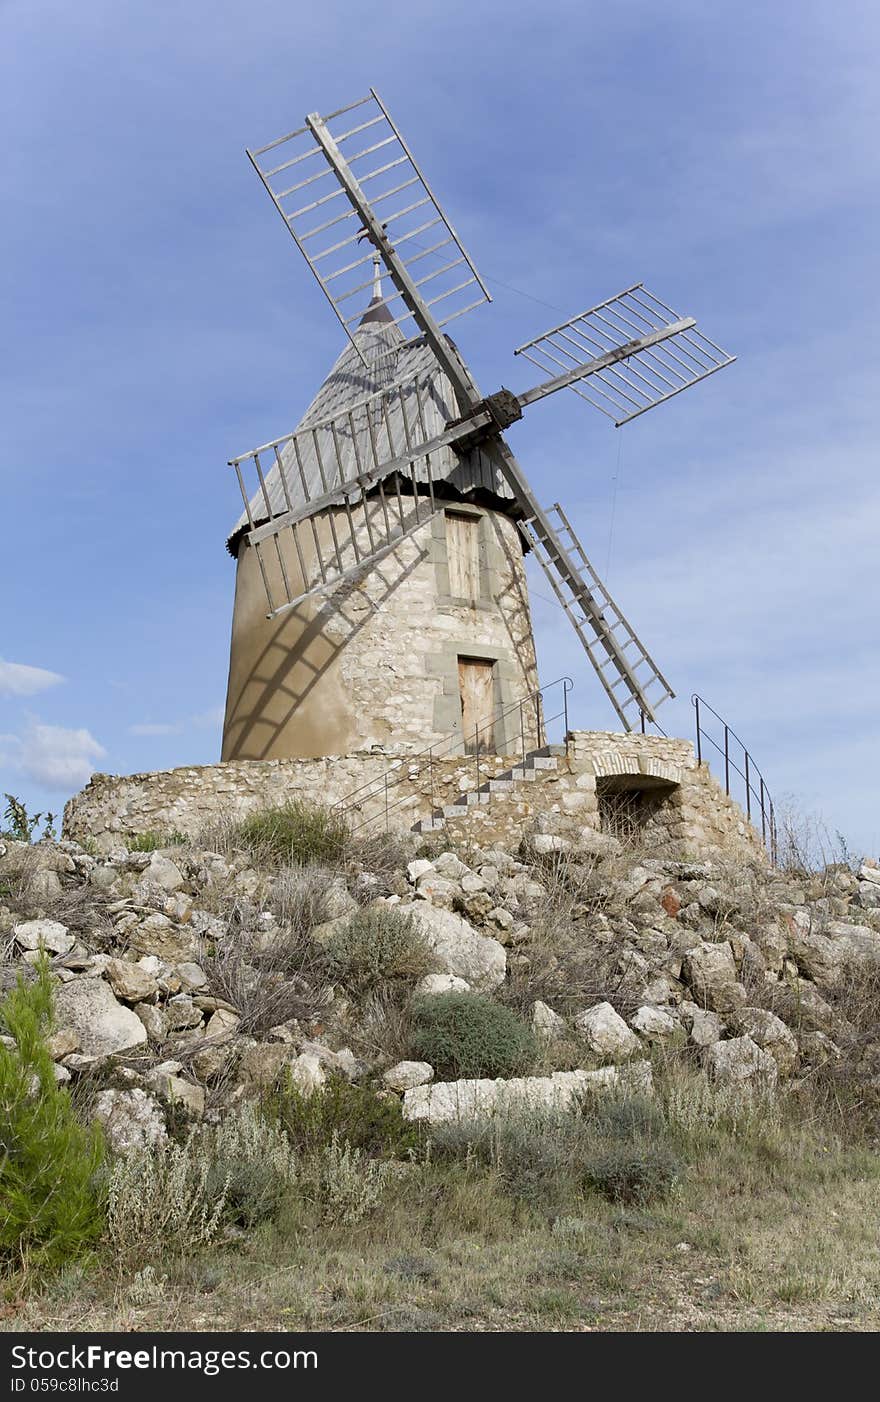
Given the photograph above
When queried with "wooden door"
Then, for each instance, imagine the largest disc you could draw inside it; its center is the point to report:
(477, 691)
(463, 556)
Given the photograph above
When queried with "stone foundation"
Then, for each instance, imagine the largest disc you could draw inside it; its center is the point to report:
(677, 804)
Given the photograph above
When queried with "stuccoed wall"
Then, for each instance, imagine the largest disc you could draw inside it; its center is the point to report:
(694, 818)
(374, 661)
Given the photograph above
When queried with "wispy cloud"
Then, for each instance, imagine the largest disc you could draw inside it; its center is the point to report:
(19, 679)
(56, 757)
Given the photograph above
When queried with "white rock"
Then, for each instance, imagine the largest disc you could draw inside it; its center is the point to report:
(132, 1120)
(51, 935)
(433, 984)
(458, 948)
(223, 1024)
(192, 976)
(105, 1027)
(770, 1033)
(450, 866)
(478, 1099)
(163, 872)
(605, 1032)
(869, 872)
(130, 982)
(710, 970)
(546, 1024)
(407, 1074)
(150, 964)
(544, 842)
(418, 868)
(307, 1072)
(654, 1024)
(704, 1027)
(740, 1059)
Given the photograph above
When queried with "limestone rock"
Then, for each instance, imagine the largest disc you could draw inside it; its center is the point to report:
(433, 984)
(177, 1092)
(439, 890)
(547, 1025)
(163, 872)
(50, 935)
(192, 976)
(62, 1043)
(447, 1101)
(710, 970)
(770, 1033)
(740, 1059)
(222, 1024)
(407, 1074)
(704, 1027)
(418, 868)
(654, 1024)
(105, 1027)
(158, 935)
(606, 1033)
(544, 842)
(130, 982)
(132, 1120)
(154, 1020)
(307, 1072)
(458, 948)
(336, 901)
(260, 1064)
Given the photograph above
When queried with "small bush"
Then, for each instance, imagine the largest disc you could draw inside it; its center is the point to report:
(632, 1173)
(250, 1163)
(154, 841)
(50, 1207)
(348, 1184)
(467, 1035)
(296, 834)
(164, 1199)
(376, 946)
(354, 1114)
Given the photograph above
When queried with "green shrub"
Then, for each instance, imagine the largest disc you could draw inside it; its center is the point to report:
(153, 841)
(250, 1163)
(377, 946)
(632, 1172)
(296, 834)
(163, 1199)
(50, 1207)
(354, 1114)
(347, 1183)
(467, 1035)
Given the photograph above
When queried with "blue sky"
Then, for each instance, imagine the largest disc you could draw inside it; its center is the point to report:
(157, 320)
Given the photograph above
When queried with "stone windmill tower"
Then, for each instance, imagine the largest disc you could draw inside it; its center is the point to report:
(434, 639)
(386, 533)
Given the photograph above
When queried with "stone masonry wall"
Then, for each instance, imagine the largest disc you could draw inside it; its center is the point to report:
(693, 817)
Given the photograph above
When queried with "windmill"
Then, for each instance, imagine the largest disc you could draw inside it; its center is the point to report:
(400, 426)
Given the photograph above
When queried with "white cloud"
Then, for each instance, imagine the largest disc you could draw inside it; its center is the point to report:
(154, 728)
(18, 679)
(56, 757)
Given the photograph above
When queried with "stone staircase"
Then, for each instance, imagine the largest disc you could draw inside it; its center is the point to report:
(535, 763)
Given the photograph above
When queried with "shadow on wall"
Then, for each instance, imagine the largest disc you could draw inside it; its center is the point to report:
(298, 652)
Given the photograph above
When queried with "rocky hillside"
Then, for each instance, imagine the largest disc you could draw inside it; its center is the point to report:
(191, 977)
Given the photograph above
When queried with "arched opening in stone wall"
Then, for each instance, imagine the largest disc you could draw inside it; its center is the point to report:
(629, 803)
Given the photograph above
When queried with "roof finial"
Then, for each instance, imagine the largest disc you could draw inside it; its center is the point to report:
(377, 276)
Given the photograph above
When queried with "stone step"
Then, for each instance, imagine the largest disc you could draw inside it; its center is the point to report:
(536, 762)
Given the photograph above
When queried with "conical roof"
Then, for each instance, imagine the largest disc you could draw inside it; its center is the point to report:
(379, 358)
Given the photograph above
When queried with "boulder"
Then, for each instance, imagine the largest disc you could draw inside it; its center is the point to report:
(770, 1033)
(337, 901)
(87, 1006)
(260, 1064)
(654, 1024)
(222, 1025)
(192, 976)
(129, 981)
(447, 1101)
(45, 887)
(50, 935)
(703, 1027)
(307, 1072)
(457, 947)
(407, 1074)
(132, 1120)
(547, 1025)
(154, 1020)
(740, 1059)
(433, 984)
(418, 868)
(163, 872)
(158, 935)
(606, 1033)
(710, 971)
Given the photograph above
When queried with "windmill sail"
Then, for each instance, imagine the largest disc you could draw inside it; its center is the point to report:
(624, 666)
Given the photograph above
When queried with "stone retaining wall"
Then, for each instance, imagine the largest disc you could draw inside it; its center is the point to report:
(691, 815)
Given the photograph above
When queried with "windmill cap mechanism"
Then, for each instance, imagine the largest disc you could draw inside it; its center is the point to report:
(350, 179)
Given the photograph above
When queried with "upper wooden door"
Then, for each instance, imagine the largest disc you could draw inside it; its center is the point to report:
(463, 555)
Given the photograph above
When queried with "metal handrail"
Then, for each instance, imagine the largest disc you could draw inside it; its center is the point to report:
(749, 774)
(397, 773)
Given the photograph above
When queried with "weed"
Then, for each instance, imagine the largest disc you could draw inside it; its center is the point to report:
(468, 1035)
